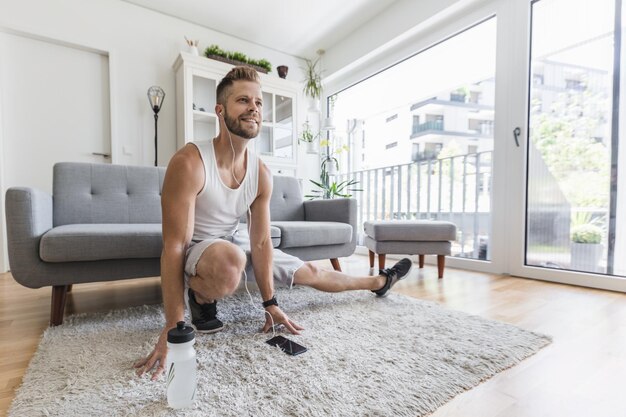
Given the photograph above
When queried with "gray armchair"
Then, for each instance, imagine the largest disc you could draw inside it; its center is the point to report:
(103, 223)
(314, 229)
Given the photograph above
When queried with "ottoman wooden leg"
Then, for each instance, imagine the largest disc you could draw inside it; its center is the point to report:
(372, 259)
(335, 263)
(381, 261)
(421, 261)
(441, 263)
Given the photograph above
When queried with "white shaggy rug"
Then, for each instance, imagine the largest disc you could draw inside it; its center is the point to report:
(395, 356)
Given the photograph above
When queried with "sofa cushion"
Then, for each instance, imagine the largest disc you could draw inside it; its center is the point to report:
(93, 242)
(274, 233)
(300, 234)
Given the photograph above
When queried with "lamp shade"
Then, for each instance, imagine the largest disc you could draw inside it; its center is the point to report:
(156, 95)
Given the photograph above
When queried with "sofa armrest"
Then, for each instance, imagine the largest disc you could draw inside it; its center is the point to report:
(341, 210)
(28, 217)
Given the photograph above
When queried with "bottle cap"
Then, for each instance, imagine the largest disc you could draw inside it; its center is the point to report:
(180, 333)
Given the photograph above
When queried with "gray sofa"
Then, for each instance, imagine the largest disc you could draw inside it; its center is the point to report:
(103, 223)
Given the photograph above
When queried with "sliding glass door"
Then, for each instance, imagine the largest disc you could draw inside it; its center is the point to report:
(506, 121)
(419, 138)
(574, 186)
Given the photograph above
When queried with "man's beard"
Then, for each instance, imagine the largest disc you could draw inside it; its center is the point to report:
(235, 127)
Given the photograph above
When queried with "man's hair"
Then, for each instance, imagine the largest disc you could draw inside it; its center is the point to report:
(236, 74)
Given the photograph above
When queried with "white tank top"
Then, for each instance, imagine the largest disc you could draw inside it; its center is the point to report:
(219, 207)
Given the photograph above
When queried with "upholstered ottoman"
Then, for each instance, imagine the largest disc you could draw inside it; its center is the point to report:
(409, 237)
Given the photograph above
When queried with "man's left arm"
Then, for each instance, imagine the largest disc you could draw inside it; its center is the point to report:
(262, 249)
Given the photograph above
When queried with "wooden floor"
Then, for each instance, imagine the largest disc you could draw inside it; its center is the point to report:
(583, 373)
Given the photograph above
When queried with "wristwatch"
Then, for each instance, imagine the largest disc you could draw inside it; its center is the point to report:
(271, 302)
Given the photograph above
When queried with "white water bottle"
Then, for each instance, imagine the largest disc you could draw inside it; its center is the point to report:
(181, 366)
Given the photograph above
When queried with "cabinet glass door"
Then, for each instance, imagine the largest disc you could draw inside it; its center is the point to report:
(276, 137)
(264, 142)
(203, 108)
(283, 128)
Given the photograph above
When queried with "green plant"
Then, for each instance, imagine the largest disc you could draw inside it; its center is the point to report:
(215, 50)
(264, 63)
(238, 56)
(307, 134)
(313, 79)
(585, 228)
(328, 190)
(587, 233)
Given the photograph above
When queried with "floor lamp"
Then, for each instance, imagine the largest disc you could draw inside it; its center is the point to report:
(155, 97)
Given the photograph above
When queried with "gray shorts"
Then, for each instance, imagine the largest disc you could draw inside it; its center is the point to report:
(285, 265)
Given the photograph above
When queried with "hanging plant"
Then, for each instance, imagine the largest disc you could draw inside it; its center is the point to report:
(313, 79)
(307, 134)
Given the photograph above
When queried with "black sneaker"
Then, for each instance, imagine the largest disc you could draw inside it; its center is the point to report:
(203, 316)
(394, 274)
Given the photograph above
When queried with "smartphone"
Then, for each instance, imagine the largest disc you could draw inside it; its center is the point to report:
(286, 345)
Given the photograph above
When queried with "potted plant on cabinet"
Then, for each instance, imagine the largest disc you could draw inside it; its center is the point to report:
(237, 58)
(586, 247)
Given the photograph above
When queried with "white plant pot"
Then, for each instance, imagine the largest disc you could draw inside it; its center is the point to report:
(193, 50)
(314, 105)
(586, 257)
(331, 168)
(310, 147)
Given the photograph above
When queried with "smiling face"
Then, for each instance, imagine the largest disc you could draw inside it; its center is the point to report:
(243, 109)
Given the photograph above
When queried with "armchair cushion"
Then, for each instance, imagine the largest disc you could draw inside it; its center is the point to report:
(94, 242)
(286, 200)
(336, 210)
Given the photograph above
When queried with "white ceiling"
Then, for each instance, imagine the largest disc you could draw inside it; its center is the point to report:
(294, 27)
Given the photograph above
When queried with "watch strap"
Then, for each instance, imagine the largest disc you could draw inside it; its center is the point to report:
(271, 302)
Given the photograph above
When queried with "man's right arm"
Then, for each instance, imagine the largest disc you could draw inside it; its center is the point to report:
(183, 181)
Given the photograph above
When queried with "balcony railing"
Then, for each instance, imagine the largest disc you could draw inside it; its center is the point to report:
(456, 189)
(431, 125)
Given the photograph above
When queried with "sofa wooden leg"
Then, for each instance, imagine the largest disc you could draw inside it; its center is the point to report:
(59, 295)
(421, 261)
(381, 261)
(372, 254)
(441, 263)
(336, 265)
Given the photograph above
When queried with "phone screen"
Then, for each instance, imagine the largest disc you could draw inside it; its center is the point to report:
(286, 345)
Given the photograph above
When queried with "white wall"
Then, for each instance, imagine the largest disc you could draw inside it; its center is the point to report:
(142, 46)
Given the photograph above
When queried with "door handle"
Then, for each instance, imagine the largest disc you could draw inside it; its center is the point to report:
(516, 132)
(104, 155)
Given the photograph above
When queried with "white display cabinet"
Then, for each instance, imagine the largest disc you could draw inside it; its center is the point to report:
(196, 80)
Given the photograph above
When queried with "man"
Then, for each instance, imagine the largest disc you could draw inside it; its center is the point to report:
(208, 186)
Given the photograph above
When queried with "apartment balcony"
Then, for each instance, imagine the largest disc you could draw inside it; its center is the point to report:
(436, 125)
(435, 128)
(436, 103)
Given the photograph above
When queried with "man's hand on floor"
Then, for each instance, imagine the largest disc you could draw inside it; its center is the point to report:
(279, 317)
(156, 358)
